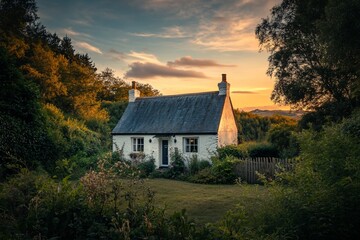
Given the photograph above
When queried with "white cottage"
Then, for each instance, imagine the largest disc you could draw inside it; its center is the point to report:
(195, 123)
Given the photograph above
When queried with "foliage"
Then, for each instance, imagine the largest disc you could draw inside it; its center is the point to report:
(231, 150)
(224, 170)
(253, 149)
(326, 113)
(115, 110)
(23, 139)
(53, 113)
(325, 186)
(221, 172)
(75, 143)
(318, 200)
(262, 150)
(193, 164)
(147, 167)
(177, 164)
(202, 164)
(252, 127)
(204, 176)
(113, 89)
(283, 138)
(311, 70)
(99, 206)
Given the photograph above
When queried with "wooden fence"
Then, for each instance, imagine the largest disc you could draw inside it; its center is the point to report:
(248, 168)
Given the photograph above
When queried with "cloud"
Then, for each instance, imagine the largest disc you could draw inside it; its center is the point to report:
(149, 70)
(142, 57)
(70, 32)
(168, 32)
(133, 56)
(216, 25)
(230, 25)
(227, 31)
(87, 46)
(82, 22)
(188, 61)
(116, 54)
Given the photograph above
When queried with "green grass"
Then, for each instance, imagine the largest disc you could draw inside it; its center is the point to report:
(204, 203)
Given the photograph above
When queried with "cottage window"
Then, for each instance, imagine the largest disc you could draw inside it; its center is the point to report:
(138, 144)
(191, 144)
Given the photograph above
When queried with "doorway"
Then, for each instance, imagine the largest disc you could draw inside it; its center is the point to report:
(165, 153)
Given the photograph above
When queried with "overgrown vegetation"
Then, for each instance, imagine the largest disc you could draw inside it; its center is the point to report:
(318, 200)
(101, 205)
(57, 111)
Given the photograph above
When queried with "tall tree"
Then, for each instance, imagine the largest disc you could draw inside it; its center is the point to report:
(24, 141)
(314, 50)
(17, 16)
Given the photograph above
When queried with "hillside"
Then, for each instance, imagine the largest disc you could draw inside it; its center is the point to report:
(268, 113)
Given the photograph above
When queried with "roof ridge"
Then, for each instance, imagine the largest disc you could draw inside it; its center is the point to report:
(177, 95)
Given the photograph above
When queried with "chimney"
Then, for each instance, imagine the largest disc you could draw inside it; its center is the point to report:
(224, 86)
(133, 92)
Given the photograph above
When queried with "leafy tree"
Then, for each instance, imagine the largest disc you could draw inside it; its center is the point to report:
(146, 90)
(17, 16)
(23, 139)
(283, 138)
(66, 48)
(314, 47)
(112, 88)
(43, 67)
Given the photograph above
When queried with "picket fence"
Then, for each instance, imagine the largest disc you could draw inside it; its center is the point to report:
(248, 169)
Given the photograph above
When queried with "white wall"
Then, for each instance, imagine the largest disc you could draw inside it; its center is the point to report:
(207, 145)
(227, 131)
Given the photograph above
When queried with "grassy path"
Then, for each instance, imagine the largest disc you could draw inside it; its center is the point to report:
(204, 203)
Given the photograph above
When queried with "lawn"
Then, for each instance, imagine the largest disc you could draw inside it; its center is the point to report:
(205, 203)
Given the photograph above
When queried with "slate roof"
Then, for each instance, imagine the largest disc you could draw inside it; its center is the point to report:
(197, 113)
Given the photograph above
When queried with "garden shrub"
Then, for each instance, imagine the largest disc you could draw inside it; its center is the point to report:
(177, 164)
(230, 150)
(137, 157)
(147, 167)
(203, 164)
(204, 176)
(262, 150)
(224, 170)
(193, 164)
(220, 172)
(161, 173)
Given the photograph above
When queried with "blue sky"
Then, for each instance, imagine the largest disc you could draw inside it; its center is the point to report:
(177, 46)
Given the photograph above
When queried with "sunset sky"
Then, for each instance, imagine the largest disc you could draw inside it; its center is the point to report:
(177, 46)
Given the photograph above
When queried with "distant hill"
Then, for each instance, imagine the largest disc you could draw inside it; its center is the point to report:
(286, 113)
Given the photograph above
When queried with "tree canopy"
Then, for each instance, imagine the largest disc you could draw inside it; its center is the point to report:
(314, 50)
(54, 104)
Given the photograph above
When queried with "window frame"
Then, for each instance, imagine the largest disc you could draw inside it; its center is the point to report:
(191, 147)
(137, 144)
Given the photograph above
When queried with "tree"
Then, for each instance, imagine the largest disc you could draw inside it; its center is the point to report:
(112, 88)
(44, 68)
(24, 141)
(314, 52)
(17, 16)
